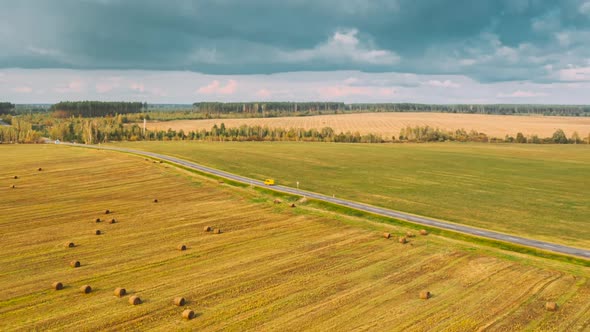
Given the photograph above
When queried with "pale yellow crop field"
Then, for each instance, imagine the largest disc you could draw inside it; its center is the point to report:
(274, 268)
(389, 124)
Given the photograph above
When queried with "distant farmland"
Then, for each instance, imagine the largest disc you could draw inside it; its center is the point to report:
(389, 124)
(273, 268)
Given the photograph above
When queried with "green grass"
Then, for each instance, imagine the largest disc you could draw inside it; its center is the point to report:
(538, 191)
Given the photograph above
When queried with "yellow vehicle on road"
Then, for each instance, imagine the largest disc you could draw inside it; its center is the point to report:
(269, 182)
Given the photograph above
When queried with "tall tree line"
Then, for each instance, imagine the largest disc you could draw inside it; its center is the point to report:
(89, 109)
(269, 109)
(6, 108)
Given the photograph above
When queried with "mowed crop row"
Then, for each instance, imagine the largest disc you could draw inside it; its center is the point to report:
(390, 124)
(272, 268)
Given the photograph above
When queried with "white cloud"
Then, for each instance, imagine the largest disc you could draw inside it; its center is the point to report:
(443, 84)
(216, 88)
(468, 62)
(344, 46)
(23, 89)
(138, 87)
(346, 86)
(158, 92)
(339, 91)
(72, 86)
(521, 94)
(585, 8)
(563, 38)
(43, 51)
(263, 93)
(205, 55)
(575, 74)
(103, 87)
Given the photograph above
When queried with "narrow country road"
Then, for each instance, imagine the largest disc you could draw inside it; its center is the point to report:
(547, 246)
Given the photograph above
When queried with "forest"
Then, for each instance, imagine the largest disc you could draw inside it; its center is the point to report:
(6, 108)
(272, 109)
(88, 109)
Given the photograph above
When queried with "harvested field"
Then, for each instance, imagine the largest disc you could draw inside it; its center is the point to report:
(389, 124)
(312, 271)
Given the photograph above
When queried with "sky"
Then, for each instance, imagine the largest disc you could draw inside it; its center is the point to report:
(185, 51)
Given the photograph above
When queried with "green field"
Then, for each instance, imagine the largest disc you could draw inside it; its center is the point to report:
(273, 268)
(537, 191)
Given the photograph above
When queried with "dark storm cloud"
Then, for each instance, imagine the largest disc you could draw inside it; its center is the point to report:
(489, 40)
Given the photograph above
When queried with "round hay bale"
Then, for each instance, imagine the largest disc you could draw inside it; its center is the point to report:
(293, 205)
(107, 212)
(13, 186)
(188, 314)
(551, 306)
(69, 245)
(113, 221)
(181, 247)
(75, 264)
(16, 177)
(423, 232)
(425, 295)
(97, 232)
(134, 300)
(410, 234)
(98, 220)
(179, 301)
(155, 200)
(120, 292)
(86, 289)
(57, 285)
(207, 228)
(277, 201)
(403, 240)
(161, 162)
(40, 169)
(217, 231)
(302, 200)
(387, 235)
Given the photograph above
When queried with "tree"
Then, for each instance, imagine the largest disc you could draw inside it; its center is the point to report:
(576, 138)
(559, 137)
(520, 138)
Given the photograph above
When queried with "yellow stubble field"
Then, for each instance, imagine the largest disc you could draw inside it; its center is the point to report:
(272, 268)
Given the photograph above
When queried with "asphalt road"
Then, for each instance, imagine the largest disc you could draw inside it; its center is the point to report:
(547, 246)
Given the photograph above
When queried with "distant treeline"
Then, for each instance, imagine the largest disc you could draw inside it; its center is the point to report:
(271, 109)
(267, 109)
(499, 109)
(6, 108)
(29, 128)
(89, 109)
(430, 134)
